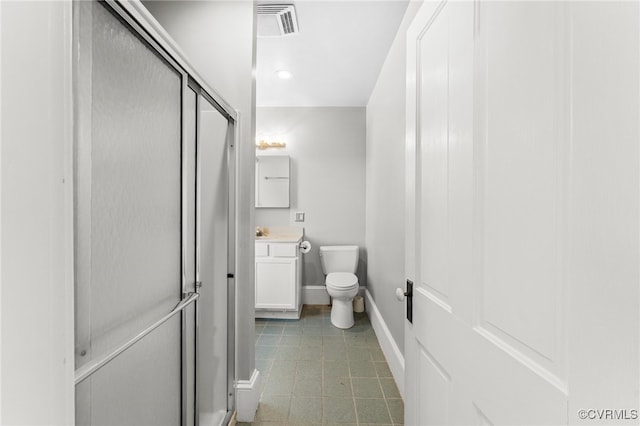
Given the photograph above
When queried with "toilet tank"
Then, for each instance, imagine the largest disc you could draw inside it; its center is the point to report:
(339, 259)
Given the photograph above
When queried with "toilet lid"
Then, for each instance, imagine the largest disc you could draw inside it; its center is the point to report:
(342, 279)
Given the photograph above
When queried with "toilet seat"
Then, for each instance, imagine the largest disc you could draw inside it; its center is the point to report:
(342, 280)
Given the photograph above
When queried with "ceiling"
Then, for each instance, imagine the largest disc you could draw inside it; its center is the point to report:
(336, 56)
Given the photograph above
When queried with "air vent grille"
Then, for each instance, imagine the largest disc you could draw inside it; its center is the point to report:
(284, 16)
(288, 26)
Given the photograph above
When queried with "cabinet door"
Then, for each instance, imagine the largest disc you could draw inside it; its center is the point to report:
(275, 283)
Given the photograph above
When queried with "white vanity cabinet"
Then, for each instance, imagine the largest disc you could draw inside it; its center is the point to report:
(278, 275)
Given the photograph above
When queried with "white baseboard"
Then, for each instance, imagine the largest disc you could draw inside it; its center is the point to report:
(317, 294)
(247, 397)
(390, 349)
(266, 314)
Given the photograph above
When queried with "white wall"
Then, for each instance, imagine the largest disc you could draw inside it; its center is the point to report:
(327, 150)
(36, 307)
(218, 39)
(386, 184)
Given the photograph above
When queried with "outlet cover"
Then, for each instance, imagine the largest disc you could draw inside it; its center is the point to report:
(299, 216)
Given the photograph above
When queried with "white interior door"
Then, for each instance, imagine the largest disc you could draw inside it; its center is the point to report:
(514, 194)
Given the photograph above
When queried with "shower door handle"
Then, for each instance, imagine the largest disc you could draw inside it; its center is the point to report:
(93, 366)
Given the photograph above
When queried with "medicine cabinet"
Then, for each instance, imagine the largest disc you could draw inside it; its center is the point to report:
(272, 181)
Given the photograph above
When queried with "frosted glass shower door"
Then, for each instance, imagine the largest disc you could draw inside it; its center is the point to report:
(216, 258)
(132, 217)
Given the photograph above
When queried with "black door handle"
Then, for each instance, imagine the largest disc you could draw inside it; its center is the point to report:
(409, 295)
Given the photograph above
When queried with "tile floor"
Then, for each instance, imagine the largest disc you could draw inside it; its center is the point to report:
(314, 373)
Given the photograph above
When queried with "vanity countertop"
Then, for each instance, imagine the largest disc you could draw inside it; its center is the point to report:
(281, 234)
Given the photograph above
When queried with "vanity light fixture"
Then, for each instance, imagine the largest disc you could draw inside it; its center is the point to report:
(266, 145)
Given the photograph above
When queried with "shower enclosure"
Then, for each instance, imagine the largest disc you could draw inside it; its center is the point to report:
(154, 230)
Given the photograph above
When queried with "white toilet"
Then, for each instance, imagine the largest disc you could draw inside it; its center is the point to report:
(339, 263)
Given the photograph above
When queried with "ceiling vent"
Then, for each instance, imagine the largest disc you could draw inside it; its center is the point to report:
(276, 20)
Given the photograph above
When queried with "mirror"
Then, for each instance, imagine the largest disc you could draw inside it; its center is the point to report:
(272, 181)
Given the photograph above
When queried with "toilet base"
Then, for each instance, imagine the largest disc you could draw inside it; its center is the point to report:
(342, 313)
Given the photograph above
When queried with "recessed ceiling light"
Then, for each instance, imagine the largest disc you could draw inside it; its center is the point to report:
(284, 74)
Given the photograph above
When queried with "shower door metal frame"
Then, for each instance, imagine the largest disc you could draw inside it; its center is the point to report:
(232, 137)
(142, 24)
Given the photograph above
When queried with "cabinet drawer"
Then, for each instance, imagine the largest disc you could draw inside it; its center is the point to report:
(284, 250)
(262, 249)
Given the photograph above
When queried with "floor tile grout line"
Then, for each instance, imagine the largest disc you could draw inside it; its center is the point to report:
(383, 395)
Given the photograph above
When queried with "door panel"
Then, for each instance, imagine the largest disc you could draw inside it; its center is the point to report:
(523, 197)
(140, 386)
(434, 385)
(215, 132)
(129, 228)
(276, 286)
(434, 149)
(523, 119)
(486, 206)
(603, 266)
(154, 200)
(129, 187)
